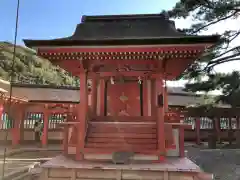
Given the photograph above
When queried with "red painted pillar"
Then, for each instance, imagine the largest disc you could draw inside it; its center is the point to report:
(217, 128)
(45, 127)
(153, 99)
(197, 130)
(17, 117)
(82, 116)
(65, 139)
(160, 121)
(94, 97)
(1, 114)
(145, 97)
(1, 111)
(102, 94)
(181, 142)
(165, 97)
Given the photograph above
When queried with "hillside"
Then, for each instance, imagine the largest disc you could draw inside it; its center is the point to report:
(29, 68)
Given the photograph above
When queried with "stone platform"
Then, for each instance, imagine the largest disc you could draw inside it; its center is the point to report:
(61, 167)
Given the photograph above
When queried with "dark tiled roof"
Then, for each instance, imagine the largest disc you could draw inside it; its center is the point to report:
(127, 27)
(125, 30)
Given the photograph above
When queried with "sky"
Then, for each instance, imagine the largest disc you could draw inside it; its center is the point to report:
(46, 19)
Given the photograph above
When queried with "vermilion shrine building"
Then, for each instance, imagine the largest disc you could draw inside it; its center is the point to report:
(127, 60)
(59, 100)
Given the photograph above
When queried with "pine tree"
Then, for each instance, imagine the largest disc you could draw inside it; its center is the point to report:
(207, 13)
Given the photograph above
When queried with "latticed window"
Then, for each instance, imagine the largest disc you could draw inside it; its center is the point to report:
(55, 119)
(31, 119)
(6, 122)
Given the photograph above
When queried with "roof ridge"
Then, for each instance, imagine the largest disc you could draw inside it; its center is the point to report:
(86, 18)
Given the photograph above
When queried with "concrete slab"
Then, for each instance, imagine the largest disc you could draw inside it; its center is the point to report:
(171, 164)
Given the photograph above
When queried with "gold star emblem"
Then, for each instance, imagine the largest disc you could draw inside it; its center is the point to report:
(123, 98)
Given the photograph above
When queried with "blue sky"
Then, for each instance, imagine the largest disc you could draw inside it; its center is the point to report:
(44, 19)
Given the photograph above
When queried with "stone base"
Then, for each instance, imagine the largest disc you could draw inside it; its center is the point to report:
(61, 167)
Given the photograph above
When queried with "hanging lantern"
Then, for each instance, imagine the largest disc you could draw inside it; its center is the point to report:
(112, 80)
(139, 80)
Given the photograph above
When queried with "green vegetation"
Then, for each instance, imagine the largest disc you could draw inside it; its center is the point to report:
(31, 69)
(205, 14)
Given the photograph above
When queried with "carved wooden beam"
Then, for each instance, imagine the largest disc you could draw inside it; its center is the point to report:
(127, 74)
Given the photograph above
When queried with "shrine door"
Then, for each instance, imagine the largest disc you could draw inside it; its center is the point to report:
(123, 99)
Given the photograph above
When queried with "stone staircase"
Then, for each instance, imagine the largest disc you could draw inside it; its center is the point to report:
(122, 136)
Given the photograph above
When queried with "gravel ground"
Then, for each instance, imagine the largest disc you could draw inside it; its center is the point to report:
(12, 166)
(28, 158)
(223, 163)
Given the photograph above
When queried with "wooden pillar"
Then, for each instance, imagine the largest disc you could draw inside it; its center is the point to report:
(238, 123)
(45, 126)
(230, 131)
(82, 115)
(165, 97)
(149, 97)
(1, 111)
(1, 114)
(153, 99)
(22, 125)
(16, 118)
(217, 129)
(160, 120)
(94, 97)
(102, 96)
(145, 97)
(181, 142)
(238, 132)
(197, 130)
(230, 123)
(65, 139)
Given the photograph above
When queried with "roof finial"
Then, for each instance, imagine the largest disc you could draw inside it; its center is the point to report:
(83, 18)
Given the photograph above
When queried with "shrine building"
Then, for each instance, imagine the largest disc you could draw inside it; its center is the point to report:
(127, 60)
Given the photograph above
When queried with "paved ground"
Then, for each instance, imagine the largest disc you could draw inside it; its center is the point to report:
(24, 159)
(224, 163)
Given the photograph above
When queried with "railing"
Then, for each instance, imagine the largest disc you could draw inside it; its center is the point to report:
(57, 118)
(30, 120)
(54, 120)
(207, 123)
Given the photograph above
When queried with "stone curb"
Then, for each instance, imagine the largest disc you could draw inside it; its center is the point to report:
(30, 159)
(11, 152)
(21, 150)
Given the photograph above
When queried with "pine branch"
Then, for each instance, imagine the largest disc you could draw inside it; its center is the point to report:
(224, 61)
(214, 22)
(218, 59)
